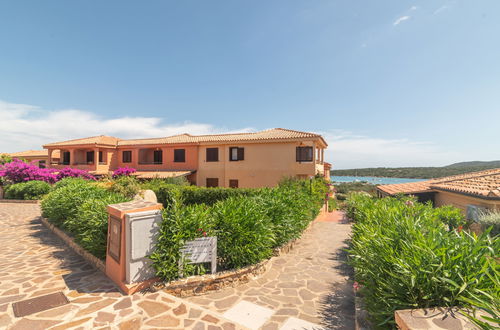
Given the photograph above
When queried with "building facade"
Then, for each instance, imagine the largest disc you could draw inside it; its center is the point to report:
(258, 159)
(469, 192)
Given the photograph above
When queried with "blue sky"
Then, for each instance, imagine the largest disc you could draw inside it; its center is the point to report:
(388, 83)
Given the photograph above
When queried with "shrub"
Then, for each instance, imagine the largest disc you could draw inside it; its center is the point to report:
(90, 223)
(18, 171)
(405, 257)
(490, 219)
(30, 190)
(4, 158)
(244, 232)
(180, 224)
(210, 196)
(123, 171)
(68, 181)
(62, 203)
(450, 216)
(288, 211)
(125, 185)
(248, 223)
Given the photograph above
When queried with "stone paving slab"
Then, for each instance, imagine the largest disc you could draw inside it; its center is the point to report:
(35, 263)
(310, 283)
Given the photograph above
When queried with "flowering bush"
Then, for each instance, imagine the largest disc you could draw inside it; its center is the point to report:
(19, 171)
(69, 172)
(123, 171)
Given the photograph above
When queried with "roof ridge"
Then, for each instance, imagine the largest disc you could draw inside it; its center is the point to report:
(292, 130)
(88, 137)
(469, 175)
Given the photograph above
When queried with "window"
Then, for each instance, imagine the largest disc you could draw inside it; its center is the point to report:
(127, 156)
(233, 183)
(101, 157)
(236, 154)
(41, 164)
(212, 182)
(158, 157)
(304, 154)
(179, 155)
(212, 154)
(66, 158)
(90, 157)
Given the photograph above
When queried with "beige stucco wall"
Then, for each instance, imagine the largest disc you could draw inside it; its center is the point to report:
(461, 201)
(265, 164)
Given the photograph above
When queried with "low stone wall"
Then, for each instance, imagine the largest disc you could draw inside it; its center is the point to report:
(91, 259)
(19, 201)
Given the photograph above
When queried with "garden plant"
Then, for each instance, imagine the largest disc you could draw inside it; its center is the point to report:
(411, 255)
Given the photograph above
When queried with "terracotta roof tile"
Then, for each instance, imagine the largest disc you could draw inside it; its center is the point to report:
(100, 140)
(486, 185)
(272, 134)
(34, 153)
(482, 183)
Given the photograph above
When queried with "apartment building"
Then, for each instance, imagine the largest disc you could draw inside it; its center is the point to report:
(258, 159)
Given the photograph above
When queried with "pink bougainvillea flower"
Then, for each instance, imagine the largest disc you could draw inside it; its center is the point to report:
(123, 171)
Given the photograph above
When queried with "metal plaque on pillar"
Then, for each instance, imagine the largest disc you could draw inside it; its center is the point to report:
(114, 239)
(142, 229)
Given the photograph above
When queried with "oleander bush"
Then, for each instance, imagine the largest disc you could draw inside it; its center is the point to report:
(62, 203)
(190, 195)
(244, 231)
(79, 207)
(405, 256)
(248, 223)
(30, 190)
(90, 224)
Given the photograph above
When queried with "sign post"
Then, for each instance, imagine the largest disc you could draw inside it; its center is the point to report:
(200, 250)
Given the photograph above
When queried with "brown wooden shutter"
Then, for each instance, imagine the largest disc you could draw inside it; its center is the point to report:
(212, 154)
(212, 182)
(241, 154)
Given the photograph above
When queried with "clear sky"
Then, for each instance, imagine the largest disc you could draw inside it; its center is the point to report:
(388, 83)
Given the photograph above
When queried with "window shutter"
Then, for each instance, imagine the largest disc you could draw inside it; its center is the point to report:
(241, 153)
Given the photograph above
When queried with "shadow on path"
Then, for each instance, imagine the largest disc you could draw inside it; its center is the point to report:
(80, 276)
(338, 310)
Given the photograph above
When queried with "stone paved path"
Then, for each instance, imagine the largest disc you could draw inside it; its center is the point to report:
(310, 283)
(34, 262)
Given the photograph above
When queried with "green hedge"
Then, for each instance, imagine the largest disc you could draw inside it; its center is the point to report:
(79, 207)
(30, 190)
(248, 223)
(190, 195)
(405, 256)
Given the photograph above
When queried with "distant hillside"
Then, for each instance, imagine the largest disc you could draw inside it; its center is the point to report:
(420, 172)
(492, 164)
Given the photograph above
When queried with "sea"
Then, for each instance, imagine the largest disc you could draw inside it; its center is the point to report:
(372, 179)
